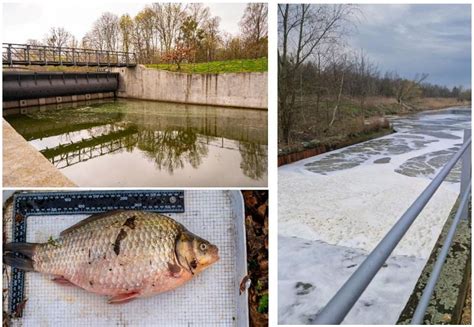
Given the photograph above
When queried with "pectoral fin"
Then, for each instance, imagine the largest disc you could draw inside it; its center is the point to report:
(123, 298)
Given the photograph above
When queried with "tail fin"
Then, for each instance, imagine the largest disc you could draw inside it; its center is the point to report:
(27, 249)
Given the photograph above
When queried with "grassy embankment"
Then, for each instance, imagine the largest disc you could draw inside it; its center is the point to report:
(216, 67)
(354, 122)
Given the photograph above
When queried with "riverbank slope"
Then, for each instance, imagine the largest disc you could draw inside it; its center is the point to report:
(354, 122)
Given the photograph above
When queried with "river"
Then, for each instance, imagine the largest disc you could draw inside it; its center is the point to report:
(334, 208)
(147, 143)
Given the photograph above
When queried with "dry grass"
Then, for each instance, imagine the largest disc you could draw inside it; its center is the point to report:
(438, 103)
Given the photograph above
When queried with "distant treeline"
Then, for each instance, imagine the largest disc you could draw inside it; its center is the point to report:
(361, 78)
(172, 32)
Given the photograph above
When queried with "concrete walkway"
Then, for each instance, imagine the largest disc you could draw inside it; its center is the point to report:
(24, 166)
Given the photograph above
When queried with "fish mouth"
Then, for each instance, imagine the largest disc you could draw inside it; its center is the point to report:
(214, 252)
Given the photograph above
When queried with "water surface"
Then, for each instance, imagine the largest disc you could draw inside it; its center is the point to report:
(145, 143)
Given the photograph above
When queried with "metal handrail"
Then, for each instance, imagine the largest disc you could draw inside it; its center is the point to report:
(24, 54)
(339, 306)
(430, 286)
(20, 45)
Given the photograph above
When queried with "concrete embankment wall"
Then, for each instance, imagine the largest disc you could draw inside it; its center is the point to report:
(24, 166)
(246, 90)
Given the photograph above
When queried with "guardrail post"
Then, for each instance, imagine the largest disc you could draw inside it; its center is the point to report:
(465, 171)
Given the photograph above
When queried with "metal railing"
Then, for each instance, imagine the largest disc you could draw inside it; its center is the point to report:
(24, 54)
(339, 306)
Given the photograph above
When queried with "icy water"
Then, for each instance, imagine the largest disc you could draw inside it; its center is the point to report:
(145, 143)
(334, 209)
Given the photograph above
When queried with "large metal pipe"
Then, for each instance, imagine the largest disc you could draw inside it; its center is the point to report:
(34, 85)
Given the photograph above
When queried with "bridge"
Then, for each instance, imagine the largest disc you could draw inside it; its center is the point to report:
(25, 55)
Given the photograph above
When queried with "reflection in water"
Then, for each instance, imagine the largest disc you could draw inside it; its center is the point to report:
(174, 144)
(254, 160)
(170, 149)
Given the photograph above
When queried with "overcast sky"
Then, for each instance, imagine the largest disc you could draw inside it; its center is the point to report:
(434, 39)
(23, 21)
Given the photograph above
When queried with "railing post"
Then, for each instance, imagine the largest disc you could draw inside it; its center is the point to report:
(44, 53)
(9, 55)
(28, 54)
(465, 171)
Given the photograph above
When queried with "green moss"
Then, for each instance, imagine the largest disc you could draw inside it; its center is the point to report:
(263, 304)
(53, 242)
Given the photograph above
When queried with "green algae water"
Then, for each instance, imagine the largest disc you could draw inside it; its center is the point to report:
(135, 143)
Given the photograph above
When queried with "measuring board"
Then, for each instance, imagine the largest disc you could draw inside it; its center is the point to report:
(75, 203)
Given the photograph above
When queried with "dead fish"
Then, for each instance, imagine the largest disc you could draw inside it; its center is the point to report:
(121, 254)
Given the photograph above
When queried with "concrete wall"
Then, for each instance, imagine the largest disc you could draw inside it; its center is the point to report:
(247, 90)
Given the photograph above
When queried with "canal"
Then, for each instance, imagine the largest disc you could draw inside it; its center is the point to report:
(334, 209)
(112, 143)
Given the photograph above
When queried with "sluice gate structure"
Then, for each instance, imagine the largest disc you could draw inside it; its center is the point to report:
(25, 88)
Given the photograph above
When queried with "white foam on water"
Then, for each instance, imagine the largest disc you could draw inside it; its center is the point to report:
(323, 217)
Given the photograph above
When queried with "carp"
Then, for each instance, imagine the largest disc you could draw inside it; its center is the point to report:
(121, 254)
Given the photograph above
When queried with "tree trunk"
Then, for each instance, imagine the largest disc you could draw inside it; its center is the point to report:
(338, 101)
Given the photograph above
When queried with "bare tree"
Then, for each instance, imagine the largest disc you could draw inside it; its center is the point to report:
(126, 32)
(407, 89)
(34, 42)
(199, 13)
(73, 42)
(211, 38)
(105, 33)
(168, 19)
(57, 37)
(145, 24)
(254, 27)
(303, 28)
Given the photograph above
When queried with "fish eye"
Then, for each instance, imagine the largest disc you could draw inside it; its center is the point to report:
(203, 246)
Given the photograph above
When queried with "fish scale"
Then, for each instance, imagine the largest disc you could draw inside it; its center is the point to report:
(123, 254)
(27, 204)
(130, 267)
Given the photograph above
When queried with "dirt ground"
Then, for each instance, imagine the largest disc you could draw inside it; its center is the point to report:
(256, 223)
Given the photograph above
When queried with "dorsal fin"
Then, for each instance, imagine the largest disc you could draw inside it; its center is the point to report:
(88, 220)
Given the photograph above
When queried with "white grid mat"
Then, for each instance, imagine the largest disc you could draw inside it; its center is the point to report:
(207, 300)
